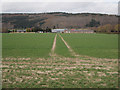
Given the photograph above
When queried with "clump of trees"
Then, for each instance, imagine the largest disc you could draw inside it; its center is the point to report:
(36, 29)
(93, 23)
(108, 28)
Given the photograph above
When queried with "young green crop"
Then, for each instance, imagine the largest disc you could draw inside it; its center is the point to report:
(61, 48)
(94, 45)
(27, 45)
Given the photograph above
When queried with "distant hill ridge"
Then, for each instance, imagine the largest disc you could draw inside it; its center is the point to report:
(55, 19)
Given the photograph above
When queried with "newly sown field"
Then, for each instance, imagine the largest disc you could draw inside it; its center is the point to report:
(61, 70)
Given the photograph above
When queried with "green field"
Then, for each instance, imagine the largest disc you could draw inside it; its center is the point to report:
(27, 45)
(28, 61)
(94, 45)
(39, 45)
(61, 49)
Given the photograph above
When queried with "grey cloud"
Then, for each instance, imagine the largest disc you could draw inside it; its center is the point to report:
(72, 7)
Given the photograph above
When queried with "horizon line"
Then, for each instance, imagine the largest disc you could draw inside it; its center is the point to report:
(55, 12)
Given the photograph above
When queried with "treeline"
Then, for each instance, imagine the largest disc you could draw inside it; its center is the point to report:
(36, 29)
(108, 28)
(39, 29)
(86, 14)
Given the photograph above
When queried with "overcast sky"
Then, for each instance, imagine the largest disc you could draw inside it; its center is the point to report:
(70, 6)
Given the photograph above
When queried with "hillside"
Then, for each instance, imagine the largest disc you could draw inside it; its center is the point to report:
(55, 19)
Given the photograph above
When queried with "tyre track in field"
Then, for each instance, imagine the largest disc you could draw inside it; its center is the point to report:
(69, 48)
(53, 46)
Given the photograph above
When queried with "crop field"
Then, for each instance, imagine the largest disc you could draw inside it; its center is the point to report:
(60, 60)
(27, 45)
(94, 45)
(61, 49)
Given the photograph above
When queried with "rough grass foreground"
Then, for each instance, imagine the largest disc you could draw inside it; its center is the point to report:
(59, 72)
